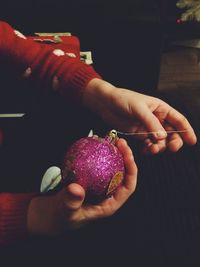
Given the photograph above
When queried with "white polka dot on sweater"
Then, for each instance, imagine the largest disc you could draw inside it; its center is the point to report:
(19, 34)
(58, 52)
(71, 54)
(55, 83)
(27, 72)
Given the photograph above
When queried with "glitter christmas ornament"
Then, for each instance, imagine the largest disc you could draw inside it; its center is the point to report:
(96, 164)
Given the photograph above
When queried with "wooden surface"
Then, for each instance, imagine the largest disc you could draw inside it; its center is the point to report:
(180, 76)
(180, 69)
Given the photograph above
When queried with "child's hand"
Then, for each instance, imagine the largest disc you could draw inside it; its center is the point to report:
(52, 215)
(129, 111)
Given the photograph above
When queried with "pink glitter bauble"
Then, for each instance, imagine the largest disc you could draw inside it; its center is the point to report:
(96, 164)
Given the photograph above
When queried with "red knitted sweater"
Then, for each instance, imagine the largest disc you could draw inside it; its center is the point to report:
(53, 68)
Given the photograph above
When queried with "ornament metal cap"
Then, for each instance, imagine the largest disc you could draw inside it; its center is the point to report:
(112, 136)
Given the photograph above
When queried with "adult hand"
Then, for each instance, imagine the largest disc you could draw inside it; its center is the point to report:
(132, 112)
(55, 214)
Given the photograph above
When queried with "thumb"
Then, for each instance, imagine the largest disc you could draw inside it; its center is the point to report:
(152, 124)
(74, 196)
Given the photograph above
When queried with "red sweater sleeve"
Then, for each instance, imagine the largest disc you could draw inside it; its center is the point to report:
(13, 216)
(50, 66)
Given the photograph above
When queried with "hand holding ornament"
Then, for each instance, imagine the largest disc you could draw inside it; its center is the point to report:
(67, 209)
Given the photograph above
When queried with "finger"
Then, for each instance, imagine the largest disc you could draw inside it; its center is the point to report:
(130, 180)
(124, 148)
(152, 124)
(179, 122)
(130, 165)
(175, 142)
(74, 196)
(141, 133)
(147, 144)
(155, 148)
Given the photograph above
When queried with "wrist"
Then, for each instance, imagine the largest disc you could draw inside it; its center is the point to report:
(96, 91)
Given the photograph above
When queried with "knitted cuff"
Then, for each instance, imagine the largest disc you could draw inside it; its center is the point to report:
(13, 217)
(78, 83)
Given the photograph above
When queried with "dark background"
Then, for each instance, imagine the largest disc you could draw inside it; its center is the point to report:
(124, 36)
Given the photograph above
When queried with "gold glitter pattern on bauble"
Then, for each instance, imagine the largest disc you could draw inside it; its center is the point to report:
(115, 182)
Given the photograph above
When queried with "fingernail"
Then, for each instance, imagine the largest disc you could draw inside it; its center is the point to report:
(161, 134)
(149, 144)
